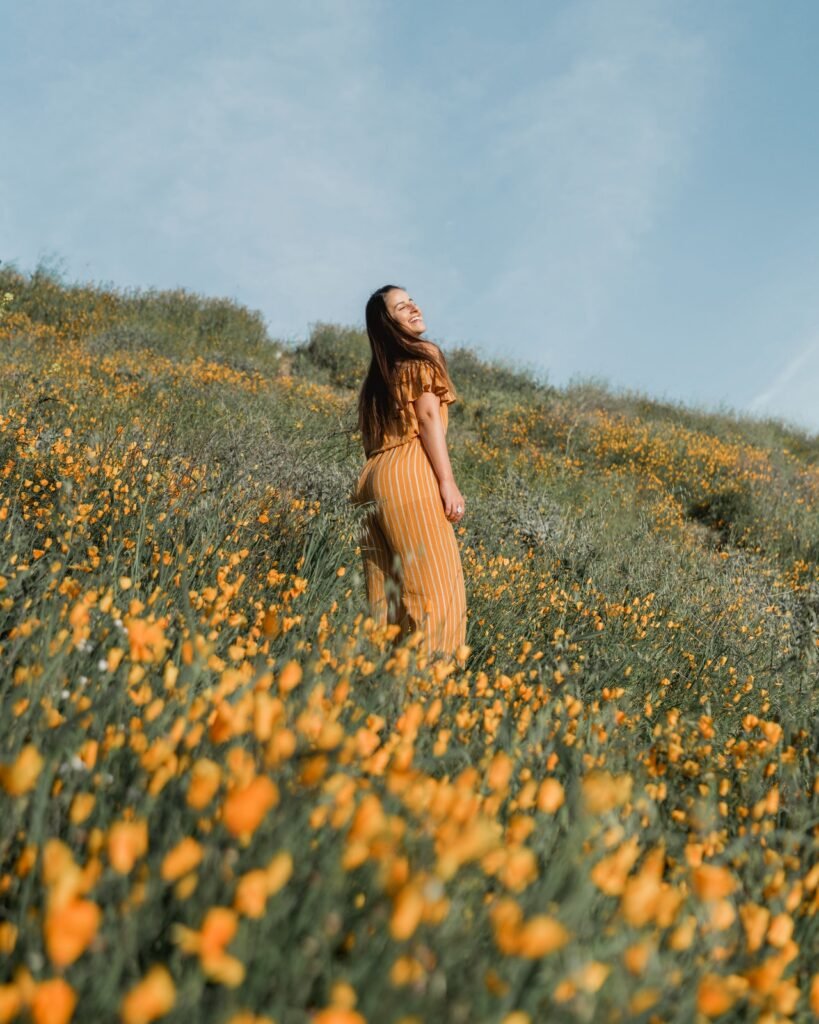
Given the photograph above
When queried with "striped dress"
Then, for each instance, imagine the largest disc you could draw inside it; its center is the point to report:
(412, 564)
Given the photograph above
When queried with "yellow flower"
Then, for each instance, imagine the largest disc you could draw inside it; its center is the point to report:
(150, 998)
(69, 929)
(127, 841)
(184, 857)
(20, 776)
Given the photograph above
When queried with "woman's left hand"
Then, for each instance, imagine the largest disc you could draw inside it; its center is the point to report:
(454, 504)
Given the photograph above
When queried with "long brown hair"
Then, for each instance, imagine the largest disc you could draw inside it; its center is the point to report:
(390, 346)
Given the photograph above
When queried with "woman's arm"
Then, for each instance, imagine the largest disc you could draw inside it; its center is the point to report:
(431, 430)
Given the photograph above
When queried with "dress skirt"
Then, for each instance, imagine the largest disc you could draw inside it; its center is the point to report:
(412, 564)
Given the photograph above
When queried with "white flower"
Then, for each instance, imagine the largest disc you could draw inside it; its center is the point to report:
(433, 889)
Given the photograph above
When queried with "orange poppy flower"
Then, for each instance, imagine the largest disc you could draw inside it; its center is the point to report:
(716, 994)
(11, 1002)
(146, 639)
(184, 857)
(637, 956)
(813, 997)
(21, 775)
(519, 869)
(81, 807)
(610, 873)
(641, 893)
(150, 998)
(540, 935)
(712, 881)
(506, 916)
(251, 893)
(127, 841)
(290, 677)
(780, 930)
(279, 871)
(755, 921)
(69, 929)
(244, 808)
(500, 772)
(205, 779)
(408, 908)
(339, 1015)
(218, 928)
(53, 1002)
(550, 796)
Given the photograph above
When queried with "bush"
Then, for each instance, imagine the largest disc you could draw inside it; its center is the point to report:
(474, 376)
(342, 352)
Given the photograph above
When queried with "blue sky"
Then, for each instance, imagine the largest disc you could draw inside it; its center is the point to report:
(622, 190)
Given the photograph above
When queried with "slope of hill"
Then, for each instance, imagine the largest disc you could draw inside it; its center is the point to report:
(227, 796)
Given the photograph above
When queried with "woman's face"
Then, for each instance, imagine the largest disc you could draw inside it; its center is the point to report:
(402, 309)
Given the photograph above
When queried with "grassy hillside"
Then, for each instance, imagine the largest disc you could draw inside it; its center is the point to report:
(228, 797)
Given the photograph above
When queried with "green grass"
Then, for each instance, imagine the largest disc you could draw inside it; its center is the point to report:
(643, 596)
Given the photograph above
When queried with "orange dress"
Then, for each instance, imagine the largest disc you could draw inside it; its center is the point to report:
(412, 564)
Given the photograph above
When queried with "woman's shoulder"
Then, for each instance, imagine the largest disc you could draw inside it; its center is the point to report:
(427, 352)
(410, 367)
(414, 376)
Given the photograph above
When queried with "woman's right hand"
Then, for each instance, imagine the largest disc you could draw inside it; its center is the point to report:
(453, 501)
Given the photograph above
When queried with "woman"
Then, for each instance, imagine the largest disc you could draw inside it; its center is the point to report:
(412, 564)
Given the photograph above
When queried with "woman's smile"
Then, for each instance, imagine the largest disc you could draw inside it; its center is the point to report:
(404, 311)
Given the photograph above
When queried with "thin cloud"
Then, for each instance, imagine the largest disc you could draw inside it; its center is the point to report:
(598, 149)
(512, 174)
(251, 170)
(298, 167)
(792, 394)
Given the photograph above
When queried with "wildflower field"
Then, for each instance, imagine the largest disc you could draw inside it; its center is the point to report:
(228, 797)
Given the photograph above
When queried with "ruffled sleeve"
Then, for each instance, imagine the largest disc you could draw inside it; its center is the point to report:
(417, 376)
